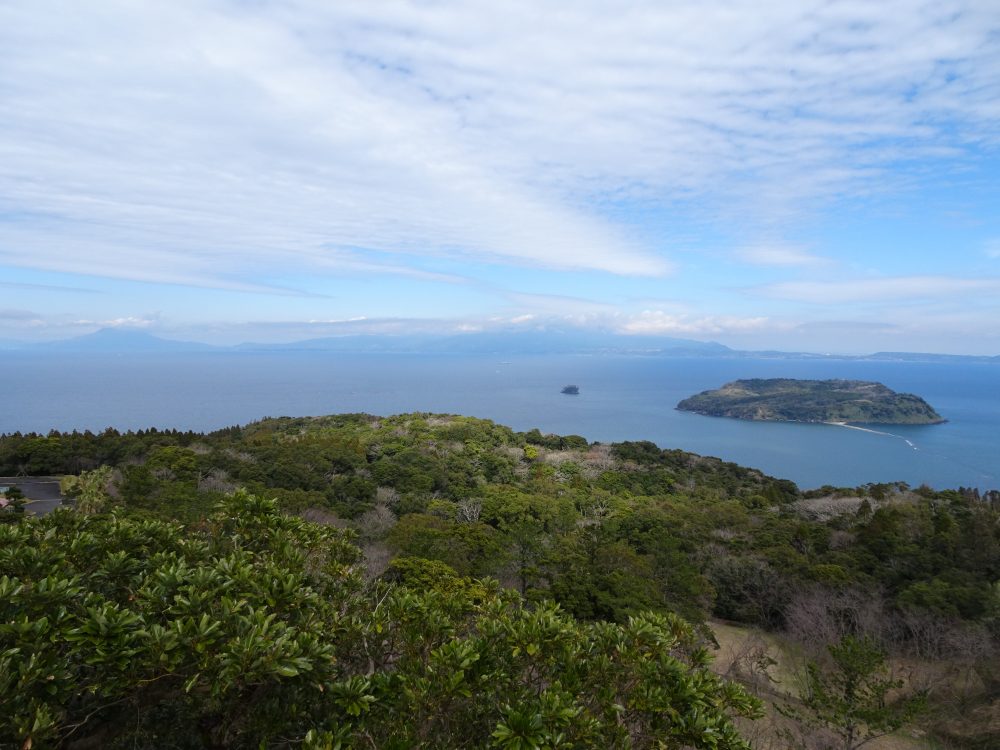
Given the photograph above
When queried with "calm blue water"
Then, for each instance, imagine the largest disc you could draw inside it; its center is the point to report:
(622, 398)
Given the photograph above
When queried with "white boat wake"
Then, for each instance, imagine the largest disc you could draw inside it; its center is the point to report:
(875, 432)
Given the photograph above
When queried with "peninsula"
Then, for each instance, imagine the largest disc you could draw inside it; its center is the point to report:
(790, 400)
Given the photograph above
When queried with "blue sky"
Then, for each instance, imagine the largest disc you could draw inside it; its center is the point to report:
(803, 175)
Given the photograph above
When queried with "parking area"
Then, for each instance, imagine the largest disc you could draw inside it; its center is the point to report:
(42, 493)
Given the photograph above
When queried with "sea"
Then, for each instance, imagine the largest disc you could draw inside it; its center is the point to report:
(622, 397)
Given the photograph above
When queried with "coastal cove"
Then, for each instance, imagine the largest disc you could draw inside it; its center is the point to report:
(621, 398)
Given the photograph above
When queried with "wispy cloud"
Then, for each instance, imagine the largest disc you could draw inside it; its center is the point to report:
(915, 288)
(779, 255)
(225, 144)
(845, 327)
(59, 288)
(545, 305)
(19, 317)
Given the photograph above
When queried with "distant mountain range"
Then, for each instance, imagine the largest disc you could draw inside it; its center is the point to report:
(501, 342)
(117, 340)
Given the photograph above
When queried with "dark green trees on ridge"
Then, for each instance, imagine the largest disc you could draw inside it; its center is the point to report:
(255, 630)
(621, 537)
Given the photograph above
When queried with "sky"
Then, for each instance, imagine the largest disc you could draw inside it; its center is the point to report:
(800, 175)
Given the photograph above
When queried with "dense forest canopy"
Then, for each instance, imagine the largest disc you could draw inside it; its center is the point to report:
(477, 527)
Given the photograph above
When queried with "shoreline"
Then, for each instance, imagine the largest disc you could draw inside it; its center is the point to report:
(852, 425)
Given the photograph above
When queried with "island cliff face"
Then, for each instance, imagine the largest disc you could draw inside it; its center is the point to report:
(789, 400)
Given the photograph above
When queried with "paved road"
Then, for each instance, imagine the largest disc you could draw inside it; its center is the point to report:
(42, 493)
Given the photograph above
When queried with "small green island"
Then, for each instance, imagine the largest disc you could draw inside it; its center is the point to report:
(791, 400)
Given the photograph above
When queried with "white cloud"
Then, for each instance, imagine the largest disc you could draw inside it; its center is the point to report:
(779, 255)
(993, 248)
(914, 288)
(337, 321)
(224, 144)
(651, 322)
(130, 321)
(251, 152)
(557, 305)
(13, 317)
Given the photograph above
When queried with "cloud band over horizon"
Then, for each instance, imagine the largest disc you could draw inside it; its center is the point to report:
(754, 167)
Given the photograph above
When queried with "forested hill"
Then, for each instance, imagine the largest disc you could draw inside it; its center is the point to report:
(791, 400)
(436, 503)
(339, 463)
